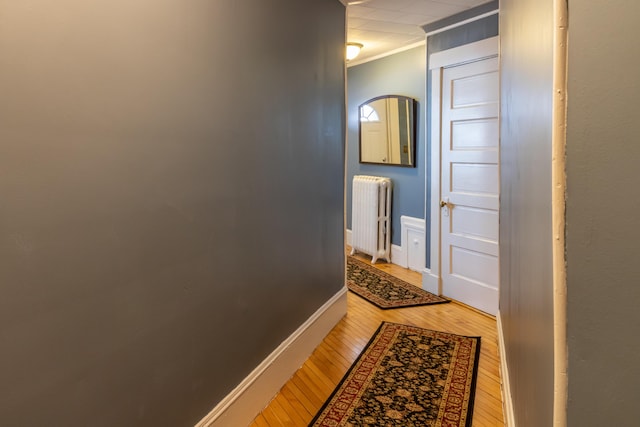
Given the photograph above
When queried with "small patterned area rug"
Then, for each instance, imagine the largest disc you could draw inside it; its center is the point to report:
(385, 290)
(407, 376)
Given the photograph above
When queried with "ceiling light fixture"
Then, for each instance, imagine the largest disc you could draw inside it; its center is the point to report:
(353, 49)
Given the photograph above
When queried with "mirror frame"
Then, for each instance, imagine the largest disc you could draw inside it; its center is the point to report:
(413, 114)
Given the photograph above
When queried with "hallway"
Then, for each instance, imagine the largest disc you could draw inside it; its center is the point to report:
(304, 394)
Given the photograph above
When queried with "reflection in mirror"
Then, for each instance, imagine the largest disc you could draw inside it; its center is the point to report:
(387, 131)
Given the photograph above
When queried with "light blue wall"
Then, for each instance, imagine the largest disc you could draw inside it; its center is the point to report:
(400, 74)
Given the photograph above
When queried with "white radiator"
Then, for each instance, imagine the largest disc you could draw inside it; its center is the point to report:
(371, 217)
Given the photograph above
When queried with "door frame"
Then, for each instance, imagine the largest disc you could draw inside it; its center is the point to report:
(432, 278)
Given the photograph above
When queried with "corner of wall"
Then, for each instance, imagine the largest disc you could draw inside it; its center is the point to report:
(398, 256)
(430, 282)
(505, 384)
(246, 401)
(411, 251)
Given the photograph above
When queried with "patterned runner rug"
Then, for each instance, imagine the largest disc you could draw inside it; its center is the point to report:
(407, 376)
(385, 290)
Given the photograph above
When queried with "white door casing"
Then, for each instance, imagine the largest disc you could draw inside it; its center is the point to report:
(465, 175)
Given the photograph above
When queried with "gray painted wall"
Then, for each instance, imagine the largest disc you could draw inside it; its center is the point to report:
(172, 200)
(399, 74)
(468, 33)
(603, 201)
(526, 298)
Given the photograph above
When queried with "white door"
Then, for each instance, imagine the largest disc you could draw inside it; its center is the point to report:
(375, 131)
(469, 183)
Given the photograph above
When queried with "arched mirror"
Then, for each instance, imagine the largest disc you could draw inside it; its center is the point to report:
(387, 131)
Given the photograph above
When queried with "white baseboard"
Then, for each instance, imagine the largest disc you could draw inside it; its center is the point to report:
(400, 253)
(253, 394)
(505, 384)
(430, 282)
(398, 256)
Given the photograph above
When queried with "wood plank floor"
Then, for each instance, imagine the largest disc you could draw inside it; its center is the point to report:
(301, 397)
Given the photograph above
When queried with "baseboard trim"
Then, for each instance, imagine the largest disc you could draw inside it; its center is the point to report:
(505, 384)
(398, 256)
(430, 282)
(253, 394)
(397, 253)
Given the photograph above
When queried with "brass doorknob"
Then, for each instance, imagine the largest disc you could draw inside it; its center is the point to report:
(443, 203)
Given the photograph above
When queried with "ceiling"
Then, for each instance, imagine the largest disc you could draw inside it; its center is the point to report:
(383, 26)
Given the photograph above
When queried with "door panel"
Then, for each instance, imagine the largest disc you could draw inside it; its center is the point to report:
(470, 183)
(473, 134)
(477, 89)
(476, 266)
(480, 223)
(474, 178)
